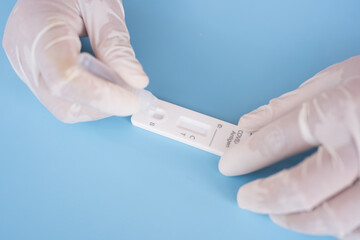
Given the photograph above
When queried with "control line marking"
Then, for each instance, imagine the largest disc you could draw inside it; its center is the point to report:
(213, 138)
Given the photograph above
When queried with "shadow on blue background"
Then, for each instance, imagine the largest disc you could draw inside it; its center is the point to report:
(110, 180)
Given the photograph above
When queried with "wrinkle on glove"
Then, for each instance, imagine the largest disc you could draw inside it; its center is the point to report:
(42, 42)
(321, 195)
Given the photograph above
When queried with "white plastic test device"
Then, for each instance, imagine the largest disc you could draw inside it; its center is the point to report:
(172, 121)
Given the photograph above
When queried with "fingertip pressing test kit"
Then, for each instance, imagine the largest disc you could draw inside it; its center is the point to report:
(172, 121)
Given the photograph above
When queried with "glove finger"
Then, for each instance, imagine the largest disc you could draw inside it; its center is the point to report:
(277, 107)
(311, 124)
(70, 112)
(304, 186)
(338, 216)
(276, 141)
(57, 57)
(109, 37)
(23, 39)
(65, 111)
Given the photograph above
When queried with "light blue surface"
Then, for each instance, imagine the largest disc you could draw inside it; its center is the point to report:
(109, 180)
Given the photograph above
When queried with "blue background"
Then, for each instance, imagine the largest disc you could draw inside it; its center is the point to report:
(110, 180)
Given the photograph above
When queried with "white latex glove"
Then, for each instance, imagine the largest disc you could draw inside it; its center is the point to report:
(322, 194)
(42, 41)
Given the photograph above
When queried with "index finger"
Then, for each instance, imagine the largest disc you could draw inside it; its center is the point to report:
(325, 80)
(312, 123)
(278, 140)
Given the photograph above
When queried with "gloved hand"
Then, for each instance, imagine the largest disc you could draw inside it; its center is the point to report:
(321, 195)
(42, 42)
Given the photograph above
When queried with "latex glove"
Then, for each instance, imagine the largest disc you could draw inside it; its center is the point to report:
(42, 43)
(321, 195)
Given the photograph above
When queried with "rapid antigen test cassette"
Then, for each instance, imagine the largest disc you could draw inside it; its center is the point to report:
(172, 121)
(190, 127)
